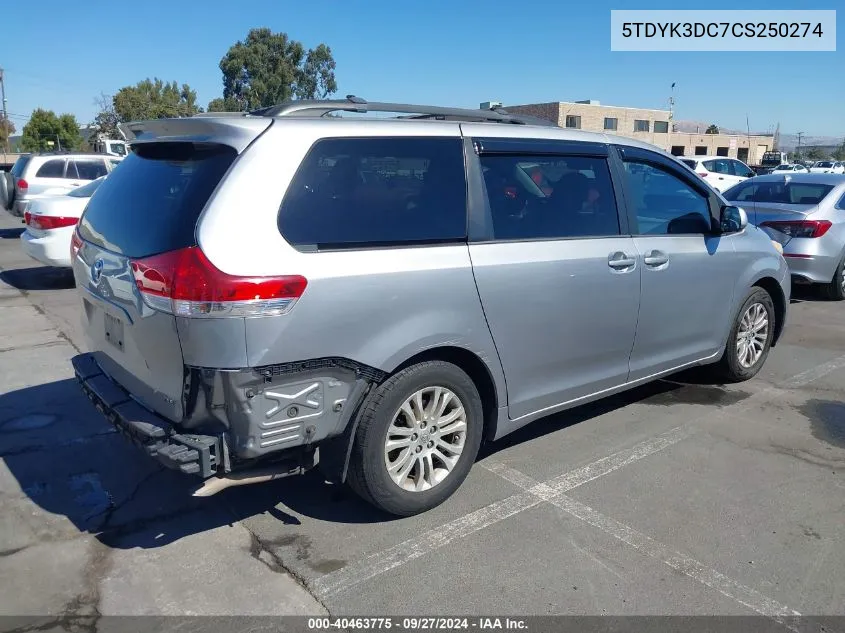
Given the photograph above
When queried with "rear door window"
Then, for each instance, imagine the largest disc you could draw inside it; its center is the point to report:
(549, 197)
(358, 192)
(151, 204)
(54, 168)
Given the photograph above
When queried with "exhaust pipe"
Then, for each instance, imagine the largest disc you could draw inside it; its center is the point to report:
(213, 485)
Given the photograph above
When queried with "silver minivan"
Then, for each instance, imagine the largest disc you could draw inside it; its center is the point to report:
(270, 292)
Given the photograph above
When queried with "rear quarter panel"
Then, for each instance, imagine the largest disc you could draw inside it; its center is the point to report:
(378, 307)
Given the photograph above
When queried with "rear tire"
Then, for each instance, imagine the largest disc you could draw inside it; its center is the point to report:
(417, 438)
(835, 290)
(750, 339)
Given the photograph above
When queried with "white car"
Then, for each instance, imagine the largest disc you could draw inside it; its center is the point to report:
(720, 172)
(51, 221)
(790, 169)
(828, 167)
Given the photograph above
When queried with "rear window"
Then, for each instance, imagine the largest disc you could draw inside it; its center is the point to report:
(779, 192)
(689, 163)
(357, 192)
(151, 204)
(823, 164)
(20, 166)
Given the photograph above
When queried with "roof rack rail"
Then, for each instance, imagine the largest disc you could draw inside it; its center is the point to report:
(319, 108)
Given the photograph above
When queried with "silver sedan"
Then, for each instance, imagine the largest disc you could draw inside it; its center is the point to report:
(805, 213)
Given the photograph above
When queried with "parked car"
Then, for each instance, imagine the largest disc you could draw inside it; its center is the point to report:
(719, 172)
(806, 214)
(33, 174)
(51, 221)
(400, 289)
(828, 167)
(791, 168)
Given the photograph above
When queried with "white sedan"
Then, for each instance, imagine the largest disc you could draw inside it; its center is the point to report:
(791, 168)
(51, 221)
(828, 167)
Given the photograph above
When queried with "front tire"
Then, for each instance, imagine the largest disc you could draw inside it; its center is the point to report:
(417, 438)
(750, 339)
(835, 290)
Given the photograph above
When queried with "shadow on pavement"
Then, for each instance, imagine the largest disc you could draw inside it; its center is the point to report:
(69, 461)
(39, 278)
(11, 234)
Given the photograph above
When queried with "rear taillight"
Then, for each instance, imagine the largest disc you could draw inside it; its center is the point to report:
(75, 245)
(22, 185)
(703, 174)
(186, 284)
(801, 228)
(47, 222)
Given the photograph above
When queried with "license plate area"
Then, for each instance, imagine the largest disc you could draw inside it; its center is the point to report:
(113, 330)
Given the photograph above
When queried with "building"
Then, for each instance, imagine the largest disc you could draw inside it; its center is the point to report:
(651, 126)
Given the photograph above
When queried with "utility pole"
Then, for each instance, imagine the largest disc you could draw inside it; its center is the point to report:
(671, 117)
(800, 134)
(5, 114)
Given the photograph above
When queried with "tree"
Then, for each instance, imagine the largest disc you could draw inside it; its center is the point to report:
(155, 99)
(45, 131)
(839, 152)
(107, 120)
(712, 129)
(228, 104)
(7, 128)
(267, 68)
(814, 153)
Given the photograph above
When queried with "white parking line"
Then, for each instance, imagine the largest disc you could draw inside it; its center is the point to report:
(745, 596)
(404, 552)
(381, 562)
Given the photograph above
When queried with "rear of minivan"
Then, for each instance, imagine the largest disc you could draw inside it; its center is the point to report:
(233, 319)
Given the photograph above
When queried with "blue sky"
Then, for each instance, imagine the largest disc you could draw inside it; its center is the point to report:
(457, 52)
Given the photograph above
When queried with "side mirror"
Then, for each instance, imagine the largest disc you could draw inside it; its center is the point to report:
(734, 219)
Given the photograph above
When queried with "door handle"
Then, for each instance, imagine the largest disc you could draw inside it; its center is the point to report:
(620, 261)
(655, 259)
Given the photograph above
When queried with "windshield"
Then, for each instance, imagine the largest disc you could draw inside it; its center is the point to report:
(117, 148)
(86, 191)
(778, 192)
(823, 163)
(783, 168)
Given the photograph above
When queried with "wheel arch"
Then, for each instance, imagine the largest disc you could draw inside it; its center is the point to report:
(771, 285)
(478, 371)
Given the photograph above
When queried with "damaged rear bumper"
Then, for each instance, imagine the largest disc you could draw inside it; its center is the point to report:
(269, 418)
(192, 454)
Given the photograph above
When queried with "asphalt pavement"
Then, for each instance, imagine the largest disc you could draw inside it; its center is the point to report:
(684, 497)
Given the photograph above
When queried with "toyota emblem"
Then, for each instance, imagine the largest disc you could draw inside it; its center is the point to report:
(97, 271)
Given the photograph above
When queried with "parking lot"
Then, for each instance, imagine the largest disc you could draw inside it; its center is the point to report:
(683, 497)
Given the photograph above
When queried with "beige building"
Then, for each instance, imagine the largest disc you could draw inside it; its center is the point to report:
(651, 126)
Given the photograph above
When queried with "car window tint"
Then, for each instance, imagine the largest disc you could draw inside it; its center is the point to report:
(54, 168)
(665, 204)
(743, 192)
(151, 204)
(89, 169)
(70, 171)
(710, 165)
(377, 191)
(543, 197)
(780, 192)
(739, 169)
(690, 163)
(724, 166)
